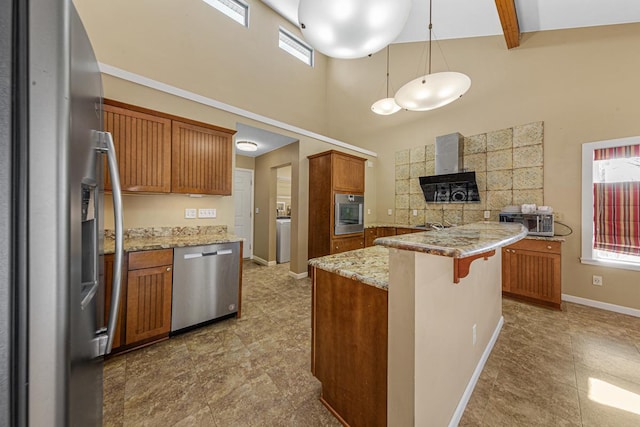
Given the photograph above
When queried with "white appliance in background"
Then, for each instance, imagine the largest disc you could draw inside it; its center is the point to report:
(283, 240)
(52, 331)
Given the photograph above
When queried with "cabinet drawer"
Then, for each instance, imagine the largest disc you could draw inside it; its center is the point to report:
(400, 231)
(148, 259)
(346, 244)
(536, 245)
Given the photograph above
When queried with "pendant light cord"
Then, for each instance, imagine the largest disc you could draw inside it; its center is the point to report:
(387, 71)
(430, 30)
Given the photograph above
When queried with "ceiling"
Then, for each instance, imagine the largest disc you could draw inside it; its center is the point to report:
(454, 19)
(267, 141)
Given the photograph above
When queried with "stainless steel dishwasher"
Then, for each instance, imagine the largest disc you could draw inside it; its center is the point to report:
(205, 283)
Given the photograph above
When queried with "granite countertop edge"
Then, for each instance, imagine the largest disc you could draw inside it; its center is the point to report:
(458, 242)
(170, 242)
(369, 265)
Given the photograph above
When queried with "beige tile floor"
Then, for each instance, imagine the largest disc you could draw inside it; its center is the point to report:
(569, 368)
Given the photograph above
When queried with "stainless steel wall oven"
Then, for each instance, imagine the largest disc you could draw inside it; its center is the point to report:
(349, 214)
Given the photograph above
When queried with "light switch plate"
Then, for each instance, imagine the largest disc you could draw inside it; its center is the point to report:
(389, 211)
(206, 213)
(190, 213)
(415, 212)
(487, 214)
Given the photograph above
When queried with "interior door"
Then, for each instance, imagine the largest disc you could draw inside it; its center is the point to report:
(243, 197)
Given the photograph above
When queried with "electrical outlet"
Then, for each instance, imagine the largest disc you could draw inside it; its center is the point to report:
(487, 214)
(206, 213)
(190, 213)
(389, 211)
(257, 210)
(597, 280)
(475, 335)
(415, 212)
(368, 211)
(369, 164)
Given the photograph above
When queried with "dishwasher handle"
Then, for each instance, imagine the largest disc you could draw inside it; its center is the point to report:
(213, 253)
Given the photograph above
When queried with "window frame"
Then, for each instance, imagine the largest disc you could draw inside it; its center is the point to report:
(587, 251)
(222, 8)
(298, 40)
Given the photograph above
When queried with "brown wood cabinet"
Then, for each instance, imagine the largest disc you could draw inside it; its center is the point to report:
(531, 270)
(331, 173)
(371, 234)
(118, 339)
(143, 149)
(149, 287)
(346, 244)
(349, 348)
(161, 153)
(201, 160)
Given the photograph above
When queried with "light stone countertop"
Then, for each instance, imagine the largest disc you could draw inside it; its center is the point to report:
(150, 238)
(368, 265)
(458, 242)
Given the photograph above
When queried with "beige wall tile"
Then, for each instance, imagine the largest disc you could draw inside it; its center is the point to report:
(476, 162)
(475, 144)
(495, 215)
(430, 152)
(481, 180)
(416, 201)
(403, 157)
(417, 169)
(402, 201)
(430, 167)
(453, 216)
(529, 134)
(528, 178)
(414, 186)
(401, 217)
(496, 200)
(524, 157)
(417, 219)
(416, 154)
(528, 196)
(403, 171)
(402, 186)
(499, 160)
(471, 216)
(500, 180)
(477, 206)
(500, 139)
(433, 215)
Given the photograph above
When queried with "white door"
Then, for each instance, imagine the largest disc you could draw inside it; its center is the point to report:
(243, 197)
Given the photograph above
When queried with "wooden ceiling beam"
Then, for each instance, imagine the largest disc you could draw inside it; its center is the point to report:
(509, 21)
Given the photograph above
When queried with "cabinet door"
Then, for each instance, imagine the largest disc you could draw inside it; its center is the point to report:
(386, 231)
(201, 160)
(346, 244)
(402, 230)
(143, 149)
(370, 234)
(534, 275)
(348, 174)
(108, 281)
(148, 303)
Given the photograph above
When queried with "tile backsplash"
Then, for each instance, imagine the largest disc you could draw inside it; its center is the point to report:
(509, 171)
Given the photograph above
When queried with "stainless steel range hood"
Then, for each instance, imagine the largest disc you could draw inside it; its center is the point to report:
(451, 184)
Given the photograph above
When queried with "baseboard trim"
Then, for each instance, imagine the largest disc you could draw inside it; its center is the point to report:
(457, 415)
(298, 276)
(263, 262)
(602, 305)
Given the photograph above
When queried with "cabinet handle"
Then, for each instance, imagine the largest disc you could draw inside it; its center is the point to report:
(513, 251)
(548, 247)
(168, 268)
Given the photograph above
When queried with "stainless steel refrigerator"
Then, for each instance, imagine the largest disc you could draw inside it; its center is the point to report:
(53, 336)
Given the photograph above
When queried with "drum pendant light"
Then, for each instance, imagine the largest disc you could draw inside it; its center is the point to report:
(435, 90)
(386, 106)
(352, 28)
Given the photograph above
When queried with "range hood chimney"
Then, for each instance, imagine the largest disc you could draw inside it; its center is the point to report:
(451, 184)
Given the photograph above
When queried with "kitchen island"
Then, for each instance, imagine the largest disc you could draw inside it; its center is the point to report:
(407, 350)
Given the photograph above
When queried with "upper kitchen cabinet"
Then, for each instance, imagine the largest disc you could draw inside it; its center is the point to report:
(348, 173)
(162, 153)
(143, 148)
(201, 159)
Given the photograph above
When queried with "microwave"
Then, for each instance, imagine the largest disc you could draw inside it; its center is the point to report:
(349, 214)
(537, 224)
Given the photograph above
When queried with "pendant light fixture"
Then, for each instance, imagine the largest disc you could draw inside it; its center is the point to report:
(386, 106)
(352, 28)
(432, 91)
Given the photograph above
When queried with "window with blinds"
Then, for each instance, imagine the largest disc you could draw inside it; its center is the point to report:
(295, 47)
(237, 10)
(614, 202)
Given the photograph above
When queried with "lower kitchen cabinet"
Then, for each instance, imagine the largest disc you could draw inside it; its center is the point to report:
(531, 270)
(371, 234)
(149, 287)
(344, 244)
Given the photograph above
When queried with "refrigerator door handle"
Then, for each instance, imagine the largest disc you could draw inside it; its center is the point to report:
(106, 146)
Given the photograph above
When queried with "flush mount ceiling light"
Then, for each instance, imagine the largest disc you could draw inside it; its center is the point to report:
(386, 106)
(352, 28)
(246, 146)
(432, 90)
